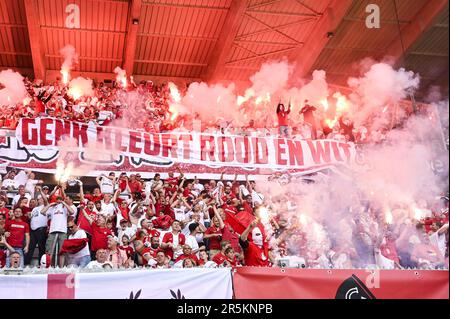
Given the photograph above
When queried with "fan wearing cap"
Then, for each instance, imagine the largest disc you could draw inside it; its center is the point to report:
(255, 252)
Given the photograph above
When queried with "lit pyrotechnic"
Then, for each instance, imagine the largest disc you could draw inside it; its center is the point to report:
(341, 102)
(263, 214)
(174, 93)
(388, 217)
(418, 213)
(248, 95)
(79, 87)
(65, 76)
(175, 97)
(63, 172)
(325, 104)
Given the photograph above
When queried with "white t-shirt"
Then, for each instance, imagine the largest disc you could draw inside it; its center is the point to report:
(21, 178)
(18, 196)
(198, 187)
(192, 241)
(106, 185)
(38, 220)
(7, 183)
(129, 231)
(30, 185)
(438, 241)
(96, 265)
(58, 215)
(83, 252)
(108, 209)
(186, 232)
(180, 213)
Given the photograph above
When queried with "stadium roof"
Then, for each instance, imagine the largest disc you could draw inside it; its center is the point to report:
(223, 39)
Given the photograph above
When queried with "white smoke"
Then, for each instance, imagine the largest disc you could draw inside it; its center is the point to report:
(70, 57)
(14, 90)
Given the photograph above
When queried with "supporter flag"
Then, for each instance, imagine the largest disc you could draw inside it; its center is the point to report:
(72, 246)
(240, 222)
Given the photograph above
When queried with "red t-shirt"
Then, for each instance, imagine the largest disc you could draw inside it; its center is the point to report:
(93, 198)
(99, 237)
(230, 208)
(168, 238)
(192, 256)
(256, 256)
(174, 181)
(283, 118)
(135, 186)
(214, 242)
(247, 207)
(17, 230)
(150, 251)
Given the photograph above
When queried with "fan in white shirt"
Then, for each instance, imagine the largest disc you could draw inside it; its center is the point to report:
(106, 183)
(58, 213)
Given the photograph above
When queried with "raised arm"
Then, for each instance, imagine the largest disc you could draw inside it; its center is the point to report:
(69, 209)
(217, 214)
(45, 209)
(98, 179)
(179, 171)
(116, 194)
(88, 218)
(186, 203)
(247, 231)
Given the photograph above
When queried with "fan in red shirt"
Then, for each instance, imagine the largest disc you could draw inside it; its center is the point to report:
(187, 253)
(19, 231)
(100, 232)
(173, 241)
(134, 185)
(214, 234)
(174, 181)
(220, 257)
(256, 253)
(147, 255)
(83, 222)
(95, 196)
(230, 258)
(126, 246)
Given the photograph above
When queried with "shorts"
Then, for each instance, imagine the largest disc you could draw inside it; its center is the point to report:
(50, 246)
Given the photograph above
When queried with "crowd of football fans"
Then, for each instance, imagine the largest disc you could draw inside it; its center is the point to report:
(125, 221)
(146, 106)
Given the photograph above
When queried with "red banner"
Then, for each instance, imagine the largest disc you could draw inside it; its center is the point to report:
(289, 283)
(36, 144)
